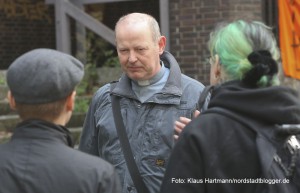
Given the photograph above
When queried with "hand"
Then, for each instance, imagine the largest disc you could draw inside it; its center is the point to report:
(181, 123)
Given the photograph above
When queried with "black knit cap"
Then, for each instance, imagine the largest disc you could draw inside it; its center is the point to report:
(43, 75)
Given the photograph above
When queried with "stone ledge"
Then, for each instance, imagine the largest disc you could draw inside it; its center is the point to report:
(4, 108)
(9, 122)
(75, 132)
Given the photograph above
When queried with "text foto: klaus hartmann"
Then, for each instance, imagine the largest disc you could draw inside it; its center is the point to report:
(231, 180)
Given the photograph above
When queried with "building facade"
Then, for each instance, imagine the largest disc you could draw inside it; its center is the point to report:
(29, 24)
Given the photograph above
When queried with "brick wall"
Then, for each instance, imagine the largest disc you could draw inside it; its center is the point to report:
(190, 25)
(28, 24)
(24, 25)
(113, 11)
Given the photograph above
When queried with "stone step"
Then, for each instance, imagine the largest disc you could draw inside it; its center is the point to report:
(9, 122)
(4, 136)
(76, 120)
(4, 108)
(75, 131)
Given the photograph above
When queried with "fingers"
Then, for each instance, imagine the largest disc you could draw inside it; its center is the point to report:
(176, 137)
(184, 121)
(181, 123)
(196, 113)
(179, 126)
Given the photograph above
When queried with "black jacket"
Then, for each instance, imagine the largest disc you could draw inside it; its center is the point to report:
(214, 148)
(38, 160)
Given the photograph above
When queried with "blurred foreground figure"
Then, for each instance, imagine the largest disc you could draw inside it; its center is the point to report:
(40, 157)
(246, 141)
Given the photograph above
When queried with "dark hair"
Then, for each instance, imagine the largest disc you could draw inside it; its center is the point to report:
(263, 65)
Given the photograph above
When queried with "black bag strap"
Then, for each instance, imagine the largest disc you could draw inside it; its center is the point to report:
(130, 162)
(271, 151)
(283, 130)
(270, 133)
(203, 96)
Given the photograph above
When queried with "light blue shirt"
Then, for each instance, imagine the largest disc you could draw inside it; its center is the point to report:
(148, 88)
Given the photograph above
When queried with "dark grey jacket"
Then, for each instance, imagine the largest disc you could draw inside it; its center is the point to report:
(149, 125)
(38, 160)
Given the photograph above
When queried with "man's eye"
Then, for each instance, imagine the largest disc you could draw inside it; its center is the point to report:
(141, 49)
(123, 51)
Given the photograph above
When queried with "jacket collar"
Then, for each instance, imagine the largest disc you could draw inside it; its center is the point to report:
(35, 128)
(172, 87)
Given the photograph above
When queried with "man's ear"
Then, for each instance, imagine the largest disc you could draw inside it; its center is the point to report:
(11, 100)
(162, 44)
(70, 103)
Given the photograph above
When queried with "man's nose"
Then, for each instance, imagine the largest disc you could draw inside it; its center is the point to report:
(132, 57)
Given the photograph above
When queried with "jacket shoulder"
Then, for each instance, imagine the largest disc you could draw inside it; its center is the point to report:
(186, 80)
(85, 163)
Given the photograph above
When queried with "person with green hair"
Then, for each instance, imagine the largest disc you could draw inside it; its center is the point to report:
(231, 46)
(227, 148)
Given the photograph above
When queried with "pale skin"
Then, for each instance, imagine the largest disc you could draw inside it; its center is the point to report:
(181, 123)
(138, 52)
(215, 75)
(64, 116)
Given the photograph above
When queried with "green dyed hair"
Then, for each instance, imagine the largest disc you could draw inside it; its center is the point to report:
(233, 42)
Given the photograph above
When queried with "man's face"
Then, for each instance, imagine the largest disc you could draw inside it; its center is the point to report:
(138, 53)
